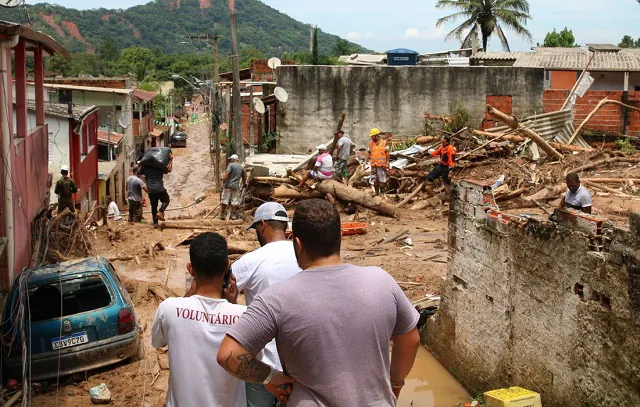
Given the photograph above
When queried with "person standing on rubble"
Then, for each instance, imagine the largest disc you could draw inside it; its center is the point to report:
(231, 192)
(322, 169)
(135, 186)
(344, 151)
(576, 197)
(273, 262)
(447, 154)
(193, 328)
(156, 190)
(332, 323)
(378, 157)
(65, 188)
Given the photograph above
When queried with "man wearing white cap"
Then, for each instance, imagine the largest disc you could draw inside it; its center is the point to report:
(65, 188)
(274, 262)
(231, 192)
(323, 169)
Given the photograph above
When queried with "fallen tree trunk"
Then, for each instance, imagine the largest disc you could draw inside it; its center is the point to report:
(288, 192)
(632, 160)
(410, 197)
(277, 180)
(520, 139)
(606, 188)
(611, 180)
(347, 193)
(510, 195)
(514, 124)
(427, 139)
(209, 224)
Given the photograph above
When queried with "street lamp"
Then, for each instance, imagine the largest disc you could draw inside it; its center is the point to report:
(176, 76)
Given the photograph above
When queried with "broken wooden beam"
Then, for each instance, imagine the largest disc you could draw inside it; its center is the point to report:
(349, 194)
(209, 224)
(594, 111)
(514, 124)
(632, 160)
(411, 196)
(285, 191)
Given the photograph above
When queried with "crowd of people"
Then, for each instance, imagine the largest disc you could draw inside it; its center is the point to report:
(315, 331)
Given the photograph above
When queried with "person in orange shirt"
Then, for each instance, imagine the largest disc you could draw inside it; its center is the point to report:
(378, 157)
(447, 154)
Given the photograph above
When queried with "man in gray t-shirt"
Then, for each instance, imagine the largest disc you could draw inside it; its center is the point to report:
(344, 151)
(332, 323)
(135, 186)
(231, 192)
(577, 197)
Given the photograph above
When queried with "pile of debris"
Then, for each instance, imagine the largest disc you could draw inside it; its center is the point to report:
(524, 162)
(60, 238)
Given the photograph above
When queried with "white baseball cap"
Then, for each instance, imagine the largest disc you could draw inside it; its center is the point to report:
(269, 211)
(234, 157)
(321, 147)
(64, 168)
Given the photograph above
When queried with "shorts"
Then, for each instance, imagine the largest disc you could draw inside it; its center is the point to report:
(230, 196)
(316, 175)
(341, 168)
(378, 175)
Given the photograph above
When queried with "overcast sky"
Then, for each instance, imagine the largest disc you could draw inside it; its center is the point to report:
(382, 24)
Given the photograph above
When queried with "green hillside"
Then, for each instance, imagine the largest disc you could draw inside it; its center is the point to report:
(163, 24)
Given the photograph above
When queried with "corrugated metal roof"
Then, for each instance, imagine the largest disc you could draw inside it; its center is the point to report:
(78, 112)
(115, 138)
(144, 95)
(106, 169)
(570, 59)
(554, 126)
(603, 47)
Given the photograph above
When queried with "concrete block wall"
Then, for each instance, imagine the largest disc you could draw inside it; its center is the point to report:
(608, 118)
(392, 98)
(529, 302)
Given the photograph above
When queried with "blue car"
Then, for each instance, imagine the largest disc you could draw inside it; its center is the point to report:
(78, 316)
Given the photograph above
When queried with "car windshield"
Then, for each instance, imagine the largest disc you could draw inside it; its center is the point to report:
(78, 295)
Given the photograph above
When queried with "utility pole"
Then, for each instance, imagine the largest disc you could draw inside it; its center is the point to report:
(214, 105)
(216, 109)
(237, 97)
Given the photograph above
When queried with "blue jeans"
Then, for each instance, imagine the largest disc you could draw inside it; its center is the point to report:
(258, 396)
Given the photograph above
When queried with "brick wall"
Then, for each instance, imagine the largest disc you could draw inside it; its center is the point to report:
(502, 103)
(530, 303)
(111, 83)
(608, 118)
(260, 70)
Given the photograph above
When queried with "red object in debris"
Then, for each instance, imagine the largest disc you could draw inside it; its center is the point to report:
(348, 229)
(353, 228)
(13, 384)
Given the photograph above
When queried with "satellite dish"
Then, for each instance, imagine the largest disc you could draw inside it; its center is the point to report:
(281, 94)
(10, 3)
(259, 105)
(274, 63)
(122, 124)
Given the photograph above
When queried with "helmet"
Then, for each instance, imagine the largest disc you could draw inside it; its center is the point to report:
(64, 168)
(374, 132)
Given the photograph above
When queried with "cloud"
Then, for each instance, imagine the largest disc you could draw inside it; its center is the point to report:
(434, 33)
(353, 36)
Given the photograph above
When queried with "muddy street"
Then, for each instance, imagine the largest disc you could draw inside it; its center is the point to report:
(418, 264)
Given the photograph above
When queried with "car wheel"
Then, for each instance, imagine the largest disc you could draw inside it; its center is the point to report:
(140, 353)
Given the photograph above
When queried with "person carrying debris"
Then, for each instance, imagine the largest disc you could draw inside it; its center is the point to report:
(323, 168)
(344, 151)
(332, 339)
(231, 192)
(447, 154)
(273, 262)
(65, 188)
(135, 186)
(577, 197)
(193, 328)
(156, 190)
(113, 212)
(378, 157)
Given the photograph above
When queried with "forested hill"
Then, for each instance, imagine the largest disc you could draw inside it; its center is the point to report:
(163, 24)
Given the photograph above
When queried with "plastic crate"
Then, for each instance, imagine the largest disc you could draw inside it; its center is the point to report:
(512, 397)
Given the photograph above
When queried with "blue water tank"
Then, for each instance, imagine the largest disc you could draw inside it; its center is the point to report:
(402, 56)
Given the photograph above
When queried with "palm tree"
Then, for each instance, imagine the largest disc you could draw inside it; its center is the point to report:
(486, 18)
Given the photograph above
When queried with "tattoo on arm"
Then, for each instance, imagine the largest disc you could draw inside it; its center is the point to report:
(246, 367)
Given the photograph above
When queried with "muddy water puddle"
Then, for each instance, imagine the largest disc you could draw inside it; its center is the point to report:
(430, 385)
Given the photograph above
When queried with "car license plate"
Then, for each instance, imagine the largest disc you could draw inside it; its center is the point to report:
(69, 341)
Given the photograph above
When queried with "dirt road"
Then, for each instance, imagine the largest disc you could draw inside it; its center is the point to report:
(420, 262)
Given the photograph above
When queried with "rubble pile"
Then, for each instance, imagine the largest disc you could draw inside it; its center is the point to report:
(524, 163)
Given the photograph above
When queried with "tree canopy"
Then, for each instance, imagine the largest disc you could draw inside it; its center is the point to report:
(486, 18)
(563, 38)
(628, 42)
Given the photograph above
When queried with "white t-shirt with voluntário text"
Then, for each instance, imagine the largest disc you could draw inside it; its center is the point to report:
(194, 328)
(260, 269)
